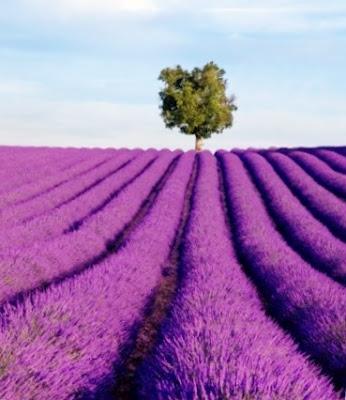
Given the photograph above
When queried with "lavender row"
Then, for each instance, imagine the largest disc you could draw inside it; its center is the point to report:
(60, 195)
(327, 207)
(42, 186)
(67, 216)
(50, 186)
(341, 150)
(332, 158)
(217, 342)
(64, 343)
(52, 160)
(22, 270)
(14, 157)
(35, 166)
(309, 304)
(338, 149)
(321, 172)
(38, 175)
(304, 232)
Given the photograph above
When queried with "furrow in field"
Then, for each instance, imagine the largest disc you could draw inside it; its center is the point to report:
(48, 202)
(321, 172)
(79, 335)
(308, 236)
(44, 264)
(306, 302)
(65, 217)
(144, 339)
(323, 204)
(217, 342)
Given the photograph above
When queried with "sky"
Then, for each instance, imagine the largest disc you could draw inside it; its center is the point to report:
(84, 72)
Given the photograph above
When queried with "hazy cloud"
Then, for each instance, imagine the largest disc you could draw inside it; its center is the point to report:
(280, 17)
(107, 124)
(19, 87)
(92, 7)
(84, 72)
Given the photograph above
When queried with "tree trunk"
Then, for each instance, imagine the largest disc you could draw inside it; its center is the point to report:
(199, 144)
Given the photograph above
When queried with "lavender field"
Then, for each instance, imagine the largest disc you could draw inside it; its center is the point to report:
(158, 274)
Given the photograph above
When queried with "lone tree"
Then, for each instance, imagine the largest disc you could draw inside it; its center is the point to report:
(196, 101)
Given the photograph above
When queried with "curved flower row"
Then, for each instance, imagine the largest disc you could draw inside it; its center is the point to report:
(78, 336)
(334, 159)
(321, 172)
(308, 303)
(30, 191)
(217, 342)
(53, 222)
(62, 194)
(327, 207)
(22, 270)
(30, 165)
(300, 228)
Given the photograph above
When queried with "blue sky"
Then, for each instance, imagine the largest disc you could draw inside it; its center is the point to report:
(84, 72)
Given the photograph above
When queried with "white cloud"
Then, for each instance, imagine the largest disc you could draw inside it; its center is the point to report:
(279, 16)
(265, 127)
(104, 124)
(85, 124)
(19, 87)
(28, 117)
(234, 15)
(85, 8)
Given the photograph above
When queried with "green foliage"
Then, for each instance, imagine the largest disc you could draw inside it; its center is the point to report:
(196, 101)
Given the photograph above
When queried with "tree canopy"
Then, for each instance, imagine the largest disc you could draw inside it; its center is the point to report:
(196, 102)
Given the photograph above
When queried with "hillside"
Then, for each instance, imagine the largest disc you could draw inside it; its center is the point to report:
(168, 275)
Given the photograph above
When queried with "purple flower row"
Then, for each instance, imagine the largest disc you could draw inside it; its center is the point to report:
(35, 164)
(217, 342)
(52, 223)
(306, 302)
(326, 206)
(300, 228)
(50, 185)
(64, 343)
(332, 158)
(321, 172)
(59, 195)
(24, 269)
